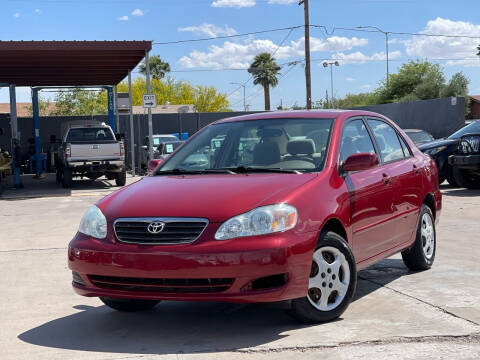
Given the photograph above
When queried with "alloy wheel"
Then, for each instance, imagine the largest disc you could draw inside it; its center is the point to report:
(329, 278)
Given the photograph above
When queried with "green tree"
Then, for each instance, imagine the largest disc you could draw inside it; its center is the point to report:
(205, 98)
(45, 107)
(264, 70)
(81, 102)
(158, 67)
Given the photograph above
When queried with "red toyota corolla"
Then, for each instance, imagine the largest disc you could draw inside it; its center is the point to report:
(265, 207)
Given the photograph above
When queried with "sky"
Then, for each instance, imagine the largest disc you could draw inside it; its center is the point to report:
(361, 54)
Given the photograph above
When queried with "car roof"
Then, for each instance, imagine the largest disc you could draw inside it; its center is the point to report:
(319, 114)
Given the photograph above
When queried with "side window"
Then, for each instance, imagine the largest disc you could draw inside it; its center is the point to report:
(355, 140)
(387, 140)
(405, 149)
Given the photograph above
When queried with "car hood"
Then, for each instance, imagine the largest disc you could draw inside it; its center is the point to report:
(437, 143)
(216, 197)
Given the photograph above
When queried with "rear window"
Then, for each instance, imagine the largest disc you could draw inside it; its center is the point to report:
(90, 135)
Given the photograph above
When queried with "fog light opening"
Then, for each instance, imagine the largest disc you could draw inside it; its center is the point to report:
(77, 278)
(266, 283)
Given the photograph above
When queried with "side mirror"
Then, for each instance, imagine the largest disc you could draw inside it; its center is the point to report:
(153, 164)
(358, 162)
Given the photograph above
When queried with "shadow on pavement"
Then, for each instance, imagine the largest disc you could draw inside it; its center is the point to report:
(185, 327)
(459, 192)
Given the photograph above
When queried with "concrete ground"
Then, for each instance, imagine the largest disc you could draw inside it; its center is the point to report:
(396, 314)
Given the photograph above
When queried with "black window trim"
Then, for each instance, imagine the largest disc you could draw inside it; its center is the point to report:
(383, 162)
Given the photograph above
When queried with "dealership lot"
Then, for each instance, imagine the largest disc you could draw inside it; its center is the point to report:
(432, 314)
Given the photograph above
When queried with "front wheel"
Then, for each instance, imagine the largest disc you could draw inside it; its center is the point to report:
(129, 305)
(421, 255)
(332, 282)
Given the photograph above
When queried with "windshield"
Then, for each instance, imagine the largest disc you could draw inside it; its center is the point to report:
(159, 139)
(419, 136)
(291, 144)
(470, 128)
(90, 135)
(169, 147)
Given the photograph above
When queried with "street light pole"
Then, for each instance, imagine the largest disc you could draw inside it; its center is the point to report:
(308, 79)
(331, 63)
(242, 85)
(386, 43)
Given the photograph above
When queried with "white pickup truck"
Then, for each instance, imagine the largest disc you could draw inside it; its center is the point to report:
(91, 151)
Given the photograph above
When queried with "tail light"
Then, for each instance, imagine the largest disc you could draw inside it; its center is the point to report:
(68, 151)
(122, 149)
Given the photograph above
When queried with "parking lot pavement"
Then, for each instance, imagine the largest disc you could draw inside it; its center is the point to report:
(396, 313)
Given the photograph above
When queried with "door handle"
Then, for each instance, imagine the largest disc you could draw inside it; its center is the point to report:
(416, 170)
(385, 178)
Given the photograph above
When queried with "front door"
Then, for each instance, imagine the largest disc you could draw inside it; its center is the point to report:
(371, 196)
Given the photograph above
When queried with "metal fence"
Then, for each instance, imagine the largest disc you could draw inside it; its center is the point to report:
(440, 117)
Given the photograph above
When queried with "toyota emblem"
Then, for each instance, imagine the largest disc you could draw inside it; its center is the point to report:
(156, 227)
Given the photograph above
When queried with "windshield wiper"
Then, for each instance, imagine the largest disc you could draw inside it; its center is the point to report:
(251, 169)
(177, 171)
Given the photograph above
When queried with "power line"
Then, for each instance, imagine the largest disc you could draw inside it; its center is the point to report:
(278, 47)
(226, 36)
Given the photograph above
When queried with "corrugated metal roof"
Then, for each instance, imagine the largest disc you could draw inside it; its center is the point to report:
(69, 63)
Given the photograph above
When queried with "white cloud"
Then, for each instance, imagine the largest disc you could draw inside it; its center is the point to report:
(360, 58)
(123, 18)
(282, 2)
(233, 3)
(138, 12)
(17, 15)
(366, 86)
(443, 47)
(240, 54)
(210, 30)
(350, 79)
(38, 11)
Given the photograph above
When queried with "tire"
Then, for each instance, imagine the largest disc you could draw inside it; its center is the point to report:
(450, 178)
(129, 305)
(121, 178)
(464, 179)
(58, 175)
(66, 177)
(331, 249)
(422, 254)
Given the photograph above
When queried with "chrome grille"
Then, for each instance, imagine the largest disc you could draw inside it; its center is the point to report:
(175, 231)
(470, 144)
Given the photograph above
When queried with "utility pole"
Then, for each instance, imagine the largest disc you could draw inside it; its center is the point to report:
(308, 78)
(150, 126)
(242, 85)
(386, 43)
(326, 64)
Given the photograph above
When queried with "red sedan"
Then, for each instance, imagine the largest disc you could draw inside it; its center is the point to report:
(265, 207)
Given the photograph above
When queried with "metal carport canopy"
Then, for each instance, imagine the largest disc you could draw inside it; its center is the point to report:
(69, 63)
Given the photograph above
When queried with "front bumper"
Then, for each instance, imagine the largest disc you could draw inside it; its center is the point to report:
(467, 161)
(242, 260)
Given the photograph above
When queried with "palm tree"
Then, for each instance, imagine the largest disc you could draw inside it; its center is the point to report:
(158, 68)
(264, 70)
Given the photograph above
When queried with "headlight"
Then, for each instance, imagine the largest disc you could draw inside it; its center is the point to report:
(94, 223)
(435, 151)
(259, 221)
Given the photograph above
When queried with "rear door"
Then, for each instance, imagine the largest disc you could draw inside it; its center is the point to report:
(404, 170)
(371, 195)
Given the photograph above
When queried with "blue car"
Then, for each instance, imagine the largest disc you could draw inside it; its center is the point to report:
(441, 149)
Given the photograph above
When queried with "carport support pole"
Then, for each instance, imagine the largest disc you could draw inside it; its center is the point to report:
(14, 127)
(36, 125)
(132, 136)
(117, 116)
(111, 109)
(149, 90)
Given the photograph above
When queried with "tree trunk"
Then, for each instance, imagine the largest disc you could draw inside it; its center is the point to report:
(266, 92)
